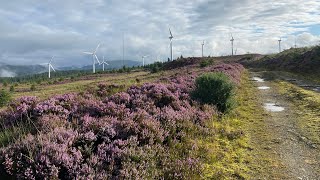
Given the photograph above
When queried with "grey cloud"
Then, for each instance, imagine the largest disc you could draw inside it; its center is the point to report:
(31, 31)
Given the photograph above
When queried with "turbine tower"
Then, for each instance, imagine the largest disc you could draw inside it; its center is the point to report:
(171, 37)
(143, 59)
(104, 63)
(231, 44)
(94, 58)
(279, 45)
(202, 47)
(50, 67)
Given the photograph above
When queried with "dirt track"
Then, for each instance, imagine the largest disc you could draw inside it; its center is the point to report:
(299, 158)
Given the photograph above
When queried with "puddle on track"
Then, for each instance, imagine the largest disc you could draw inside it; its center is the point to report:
(263, 87)
(258, 79)
(272, 107)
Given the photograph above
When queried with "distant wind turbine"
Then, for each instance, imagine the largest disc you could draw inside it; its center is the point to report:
(232, 39)
(104, 63)
(202, 47)
(94, 58)
(143, 59)
(50, 67)
(235, 52)
(171, 37)
(279, 45)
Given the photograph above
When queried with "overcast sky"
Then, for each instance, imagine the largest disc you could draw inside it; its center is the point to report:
(31, 31)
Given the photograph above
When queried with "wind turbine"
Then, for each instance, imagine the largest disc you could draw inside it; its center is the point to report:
(202, 47)
(171, 37)
(50, 67)
(279, 45)
(94, 58)
(235, 52)
(232, 44)
(143, 59)
(104, 63)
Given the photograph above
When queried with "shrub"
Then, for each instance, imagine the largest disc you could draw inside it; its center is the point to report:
(5, 97)
(205, 63)
(33, 87)
(11, 88)
(215, 89)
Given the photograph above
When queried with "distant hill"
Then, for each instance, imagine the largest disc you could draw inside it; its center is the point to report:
(299, 60)
(114, 65)
(7, 70)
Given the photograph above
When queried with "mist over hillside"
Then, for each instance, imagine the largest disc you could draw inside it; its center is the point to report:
(7, 70)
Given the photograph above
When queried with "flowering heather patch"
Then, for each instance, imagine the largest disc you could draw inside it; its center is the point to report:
(127, 135)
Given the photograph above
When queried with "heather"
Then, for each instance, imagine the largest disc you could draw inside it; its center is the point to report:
(141, 133)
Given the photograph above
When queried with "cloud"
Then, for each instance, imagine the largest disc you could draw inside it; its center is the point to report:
(31, 31)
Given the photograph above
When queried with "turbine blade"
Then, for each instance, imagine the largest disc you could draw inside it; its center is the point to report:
(88, 53)
(97, 48)
(97, 58)
(52, 68)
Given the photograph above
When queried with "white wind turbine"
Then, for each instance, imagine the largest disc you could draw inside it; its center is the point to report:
(50, 67)
(232, 44)
(143, 59)
(104, 63)
(202, 44)
(171, 37)
(280, 45)
(94, 58)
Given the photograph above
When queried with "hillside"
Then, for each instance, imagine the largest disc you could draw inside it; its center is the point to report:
(145, 123)
(116, 64)
(114, 125)
(301, 60)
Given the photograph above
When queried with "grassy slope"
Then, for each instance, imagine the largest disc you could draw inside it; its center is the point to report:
(303, 61)
(45, 91)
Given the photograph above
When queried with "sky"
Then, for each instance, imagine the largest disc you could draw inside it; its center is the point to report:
(31, 31)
